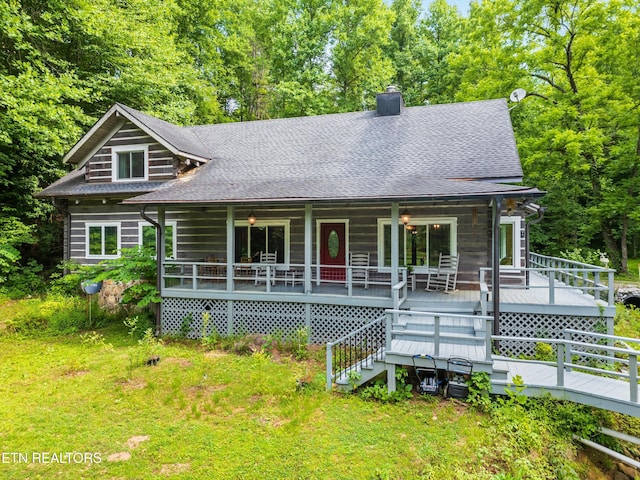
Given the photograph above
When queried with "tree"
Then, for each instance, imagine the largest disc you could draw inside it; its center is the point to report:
(578, 130)
(440, 35)
(299, 32)
(359, 68)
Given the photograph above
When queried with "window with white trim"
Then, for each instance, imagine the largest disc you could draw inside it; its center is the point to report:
(510, 228)
(130, 163)
(269, 236)
(421, 242)
(102, 240)
(147, 237)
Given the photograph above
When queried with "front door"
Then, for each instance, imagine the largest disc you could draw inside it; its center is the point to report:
(333, 251)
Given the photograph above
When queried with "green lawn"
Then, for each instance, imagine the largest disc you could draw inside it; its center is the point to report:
(211, 414)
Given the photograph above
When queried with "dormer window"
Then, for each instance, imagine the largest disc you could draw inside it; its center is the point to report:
(130, 163)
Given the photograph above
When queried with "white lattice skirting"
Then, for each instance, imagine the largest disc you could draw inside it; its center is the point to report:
(535, 325)
(325, 322)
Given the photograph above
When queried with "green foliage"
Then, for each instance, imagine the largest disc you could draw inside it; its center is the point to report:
(353, 377)
(17, 279)
(544, 352)
(135, 268)
(379, 391)
(148, 347)
(56, 315)
(185, 326)
(479, 390)
(583, 255)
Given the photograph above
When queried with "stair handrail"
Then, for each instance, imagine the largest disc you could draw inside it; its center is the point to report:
(362, 346)
(564, 356)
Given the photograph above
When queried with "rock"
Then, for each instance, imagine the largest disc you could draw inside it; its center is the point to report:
(627, 470)
(625, 291)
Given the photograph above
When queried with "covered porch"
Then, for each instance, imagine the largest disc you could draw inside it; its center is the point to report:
(549, 282)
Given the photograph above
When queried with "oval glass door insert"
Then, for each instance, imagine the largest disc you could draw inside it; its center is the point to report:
(333, 244)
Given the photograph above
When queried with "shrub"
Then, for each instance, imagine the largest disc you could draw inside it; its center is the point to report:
(56, 315)
(583, 255)
(24, 282)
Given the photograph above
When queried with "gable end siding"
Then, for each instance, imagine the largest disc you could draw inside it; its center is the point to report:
(162, 163)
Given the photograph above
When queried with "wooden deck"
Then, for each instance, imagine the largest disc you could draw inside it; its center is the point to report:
(570, 377)
(540, 379)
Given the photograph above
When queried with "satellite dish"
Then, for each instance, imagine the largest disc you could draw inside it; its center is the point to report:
(517, 95)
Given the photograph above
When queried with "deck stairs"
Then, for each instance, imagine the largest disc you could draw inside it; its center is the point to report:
(455, 335)
(572, 376)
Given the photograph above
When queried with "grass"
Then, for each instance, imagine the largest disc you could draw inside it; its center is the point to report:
(203, 413)
(210, 414)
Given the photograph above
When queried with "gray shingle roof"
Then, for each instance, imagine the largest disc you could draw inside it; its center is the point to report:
(182, 139)
(73, 184)
(462, 149)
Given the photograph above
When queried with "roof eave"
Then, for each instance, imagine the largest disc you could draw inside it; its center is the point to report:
(524, 192)
(119, 111)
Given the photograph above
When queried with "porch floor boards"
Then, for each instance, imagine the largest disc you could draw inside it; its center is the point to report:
(409, 348)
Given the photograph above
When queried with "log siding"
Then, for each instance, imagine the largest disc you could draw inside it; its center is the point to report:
(161, 163)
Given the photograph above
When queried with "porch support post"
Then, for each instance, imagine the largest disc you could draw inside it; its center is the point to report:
(495, 260)
(391, 377)
(395, 248)
(231, 220)
(308, 246)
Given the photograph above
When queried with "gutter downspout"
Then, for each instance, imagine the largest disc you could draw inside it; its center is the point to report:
(495, 263)
(160, 255)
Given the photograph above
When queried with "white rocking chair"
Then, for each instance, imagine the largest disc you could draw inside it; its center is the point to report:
(359, 275)
(445, 276)
(270, 259)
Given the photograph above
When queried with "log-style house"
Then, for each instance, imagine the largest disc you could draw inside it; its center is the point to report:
(324, 222)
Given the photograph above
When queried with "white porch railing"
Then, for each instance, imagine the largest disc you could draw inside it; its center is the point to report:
(331, 279)
(560, 274)
(573, 354)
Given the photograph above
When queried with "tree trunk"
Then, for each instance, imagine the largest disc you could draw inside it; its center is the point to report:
(624, 253)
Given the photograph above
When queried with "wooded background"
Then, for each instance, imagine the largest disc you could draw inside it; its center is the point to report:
(65, 62)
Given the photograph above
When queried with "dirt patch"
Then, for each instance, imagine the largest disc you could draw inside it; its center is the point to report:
(133, 442)
(174, 468)
(182, 362)
(201, 390)
(136, 384)
(119, 457)
(75, 373)
(215, 354)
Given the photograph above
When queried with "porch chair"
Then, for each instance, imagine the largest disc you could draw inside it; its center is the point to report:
(360, 275)
(266, 258)
(445, 276)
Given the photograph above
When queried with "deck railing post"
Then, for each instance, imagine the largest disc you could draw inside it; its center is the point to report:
(387, 331)
(395, 295)
(268, 272)
(488, 345)
(610, 297)
(552, 287)
(349, 281)
(596, 285)
(585, 282)
(329, 366)
(561, 349)
(567, 352)
(633, 377)
(194, 276)
(436, 335)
